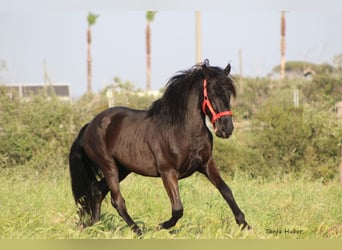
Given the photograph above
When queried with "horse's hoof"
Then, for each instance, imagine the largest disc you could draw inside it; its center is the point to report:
(245, 226)
(160, 226)
(137, 230)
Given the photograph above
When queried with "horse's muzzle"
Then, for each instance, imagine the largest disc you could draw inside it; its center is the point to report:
(224, 127)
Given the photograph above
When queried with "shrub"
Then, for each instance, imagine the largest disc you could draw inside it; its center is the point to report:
(38, 131)
(297, 140)
(322, 152)
(324, 88)
(235, 155)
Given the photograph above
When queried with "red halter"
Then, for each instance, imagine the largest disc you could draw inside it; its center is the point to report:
(206, 103)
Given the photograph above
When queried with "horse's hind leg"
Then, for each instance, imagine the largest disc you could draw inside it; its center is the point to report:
(100, 193)
(102, 190)
(113, 178)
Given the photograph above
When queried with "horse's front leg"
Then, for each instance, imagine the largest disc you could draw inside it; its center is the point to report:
(170, 181)
(212, 173)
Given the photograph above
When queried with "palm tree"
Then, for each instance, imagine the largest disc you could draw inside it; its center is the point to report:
(91, 21)
(149, 17)
(282, 44)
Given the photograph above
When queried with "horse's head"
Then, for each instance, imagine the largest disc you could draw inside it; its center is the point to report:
(217, 90)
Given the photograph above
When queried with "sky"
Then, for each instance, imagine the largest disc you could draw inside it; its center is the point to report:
(34, 33)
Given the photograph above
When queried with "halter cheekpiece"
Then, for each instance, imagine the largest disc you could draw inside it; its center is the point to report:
(206, 103)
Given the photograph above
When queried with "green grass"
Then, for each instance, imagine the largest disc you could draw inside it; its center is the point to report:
(40, 206)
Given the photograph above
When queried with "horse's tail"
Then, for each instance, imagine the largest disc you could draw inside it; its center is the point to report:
(83, 178)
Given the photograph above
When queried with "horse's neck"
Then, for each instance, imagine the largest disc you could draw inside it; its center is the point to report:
(194, 120)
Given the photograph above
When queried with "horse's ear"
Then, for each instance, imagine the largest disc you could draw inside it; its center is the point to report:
(227, 69)
(205, 66)
(205, 63)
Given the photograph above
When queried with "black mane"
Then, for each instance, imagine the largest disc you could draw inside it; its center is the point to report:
(171, 107)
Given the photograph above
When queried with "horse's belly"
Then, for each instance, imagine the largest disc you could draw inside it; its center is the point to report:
(138, 161)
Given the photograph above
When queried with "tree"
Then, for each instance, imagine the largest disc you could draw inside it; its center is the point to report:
(300, 68)
(91, 21)
(149, 17)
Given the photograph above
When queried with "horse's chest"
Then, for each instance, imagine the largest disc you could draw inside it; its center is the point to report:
(197, 156)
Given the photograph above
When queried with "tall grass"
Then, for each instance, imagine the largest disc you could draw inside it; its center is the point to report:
(40, 206)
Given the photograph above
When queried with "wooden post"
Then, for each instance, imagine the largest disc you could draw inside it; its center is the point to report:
(341, 167)
(148, 56)
(282, 45)
(88, 60)
(240, 64)
(198, 38)
(338, 107)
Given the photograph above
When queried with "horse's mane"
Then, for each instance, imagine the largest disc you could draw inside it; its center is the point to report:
(172, 106)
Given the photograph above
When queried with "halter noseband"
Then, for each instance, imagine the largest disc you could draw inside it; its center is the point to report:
(206, 103)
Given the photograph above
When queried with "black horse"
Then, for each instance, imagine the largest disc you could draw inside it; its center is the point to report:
(169, 140)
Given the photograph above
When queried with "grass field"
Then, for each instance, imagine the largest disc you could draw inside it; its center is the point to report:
(40, 206)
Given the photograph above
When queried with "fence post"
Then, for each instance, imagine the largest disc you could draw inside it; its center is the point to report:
(110, 97)
(296, 98)
(341, 167)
